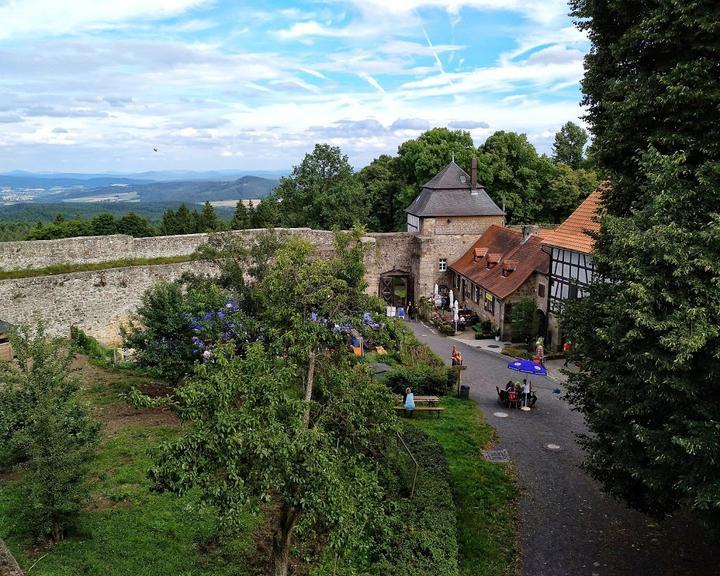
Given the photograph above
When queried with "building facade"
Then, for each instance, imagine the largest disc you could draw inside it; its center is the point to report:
(570, 247)
(502, 268)
(447, 217)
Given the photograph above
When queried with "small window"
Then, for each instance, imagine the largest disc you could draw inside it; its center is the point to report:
(442, 264)
(572, 292)
(541, 290)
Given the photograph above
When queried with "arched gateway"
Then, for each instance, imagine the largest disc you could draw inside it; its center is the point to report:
(396, 287)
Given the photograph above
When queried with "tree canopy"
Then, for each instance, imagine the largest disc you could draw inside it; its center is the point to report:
(647, 336)
(569, 145)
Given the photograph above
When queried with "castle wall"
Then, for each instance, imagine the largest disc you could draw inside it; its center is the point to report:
(99, 301)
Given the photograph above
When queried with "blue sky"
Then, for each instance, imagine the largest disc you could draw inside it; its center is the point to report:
(95, 85)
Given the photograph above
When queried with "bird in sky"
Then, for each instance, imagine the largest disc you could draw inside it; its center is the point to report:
(154, 149)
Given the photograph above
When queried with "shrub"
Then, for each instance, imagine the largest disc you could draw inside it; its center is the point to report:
(516, 352)
(522, 318)
(88, 345)
(50, 433)
(423, 379)
(423, 538)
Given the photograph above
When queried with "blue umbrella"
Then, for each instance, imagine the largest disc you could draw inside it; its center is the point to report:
(528, 367)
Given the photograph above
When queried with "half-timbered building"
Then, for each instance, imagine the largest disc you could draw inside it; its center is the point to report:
(570, 248)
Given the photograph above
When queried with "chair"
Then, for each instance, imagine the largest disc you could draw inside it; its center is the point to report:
(513, 399)
(502, 396)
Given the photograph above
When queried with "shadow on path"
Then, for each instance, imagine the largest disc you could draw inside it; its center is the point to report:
(570, 527)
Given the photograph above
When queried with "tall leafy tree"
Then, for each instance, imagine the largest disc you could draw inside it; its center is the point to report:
(292, 421)
(648, 334)
(651, 79)
(104, 224)
(516, 175)
(420, 159)
(321, 192)
(135, 225)
(383, 187)
(569, 145)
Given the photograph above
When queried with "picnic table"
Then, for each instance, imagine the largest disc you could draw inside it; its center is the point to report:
(431, 401)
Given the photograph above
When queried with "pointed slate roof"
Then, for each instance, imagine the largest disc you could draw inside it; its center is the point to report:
(449, 194)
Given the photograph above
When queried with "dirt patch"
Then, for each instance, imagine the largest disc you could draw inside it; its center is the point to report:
(119, 417)
(100, 503)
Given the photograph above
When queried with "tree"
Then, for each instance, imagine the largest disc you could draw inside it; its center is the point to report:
(421, 159)
(135, 225)
(383, 188)
(651, 80)
(291, 421)
(241, 218)
(647, 335)
(104, 225)
(208, 221)
(267, 214)
(516, 174)
(321, 192)
(49, 431)
(564, 192)
(522, 318)
(569, 145)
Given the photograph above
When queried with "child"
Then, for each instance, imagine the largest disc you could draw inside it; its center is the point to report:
(409, 401)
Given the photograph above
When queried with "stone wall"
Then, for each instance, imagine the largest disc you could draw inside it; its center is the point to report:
(92, 249)
(100, 301)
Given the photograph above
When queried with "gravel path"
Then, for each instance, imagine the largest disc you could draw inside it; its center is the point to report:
(569, 526)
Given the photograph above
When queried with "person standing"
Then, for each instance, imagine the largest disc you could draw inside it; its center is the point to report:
(566, 351)
(526, 391)
(409, 401)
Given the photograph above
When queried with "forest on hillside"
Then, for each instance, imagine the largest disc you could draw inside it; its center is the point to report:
(325, 192)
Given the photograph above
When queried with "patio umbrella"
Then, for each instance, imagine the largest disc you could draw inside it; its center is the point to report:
(527, 366)
(456, 309)
(452, 299)
(435, 290)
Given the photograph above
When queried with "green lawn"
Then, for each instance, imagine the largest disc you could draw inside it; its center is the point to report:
(485, 493)
(127, 530)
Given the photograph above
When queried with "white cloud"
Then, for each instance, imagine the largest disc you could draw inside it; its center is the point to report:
(39, 17)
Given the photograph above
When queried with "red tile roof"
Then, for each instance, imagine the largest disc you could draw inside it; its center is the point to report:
(527, 257)
(572, 234)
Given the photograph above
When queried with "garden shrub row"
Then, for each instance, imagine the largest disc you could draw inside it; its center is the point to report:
(423, 379)
(423, 538)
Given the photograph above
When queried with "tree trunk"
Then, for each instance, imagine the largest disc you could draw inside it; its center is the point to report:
(8, 565)
(282, 539)
(309, 385)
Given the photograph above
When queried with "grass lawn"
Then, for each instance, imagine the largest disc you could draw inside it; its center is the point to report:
(126, 529)
(485, 493)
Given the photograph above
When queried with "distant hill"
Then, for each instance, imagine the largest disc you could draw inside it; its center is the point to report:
(20, 181)
(178, 191)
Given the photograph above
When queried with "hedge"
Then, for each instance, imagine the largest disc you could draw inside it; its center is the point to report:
(422, 379)
(423, 538)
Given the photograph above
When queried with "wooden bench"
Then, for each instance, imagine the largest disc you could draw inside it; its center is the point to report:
(436, 409)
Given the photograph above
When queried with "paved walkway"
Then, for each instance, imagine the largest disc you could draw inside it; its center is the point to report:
(569, 526)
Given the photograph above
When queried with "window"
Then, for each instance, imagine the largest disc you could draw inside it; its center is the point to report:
(442, 264)
(572, 292)
(541, 290)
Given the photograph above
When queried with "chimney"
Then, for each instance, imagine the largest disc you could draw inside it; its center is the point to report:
(528, 231)
(473, 174)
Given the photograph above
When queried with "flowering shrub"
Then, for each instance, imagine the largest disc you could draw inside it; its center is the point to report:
(219, 326)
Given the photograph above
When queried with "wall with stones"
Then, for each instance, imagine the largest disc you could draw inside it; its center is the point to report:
(97, 302)
(93, 249)
(100, 301)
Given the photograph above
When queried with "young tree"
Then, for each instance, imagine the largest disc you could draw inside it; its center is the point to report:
(241, 218)
(569, 145)
(292, 421)
(135, 225)
(208, 221)
(50, 433)
(104, 224)
(648, 334)
(268, 213)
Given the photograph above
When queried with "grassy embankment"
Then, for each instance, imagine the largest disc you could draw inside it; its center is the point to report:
(71, 268)
(485, 493)
(126, 528)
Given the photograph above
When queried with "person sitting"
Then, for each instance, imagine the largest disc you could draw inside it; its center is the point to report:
(509, 386)
(455, 357)
(409, 403)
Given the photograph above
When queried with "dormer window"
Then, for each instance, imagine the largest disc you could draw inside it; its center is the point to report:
(493, 259)
(479, 254)
(509, 266)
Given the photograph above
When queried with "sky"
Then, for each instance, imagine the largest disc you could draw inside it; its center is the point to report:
(97, 85)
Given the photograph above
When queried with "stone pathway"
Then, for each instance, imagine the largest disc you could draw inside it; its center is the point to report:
(569, 525)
